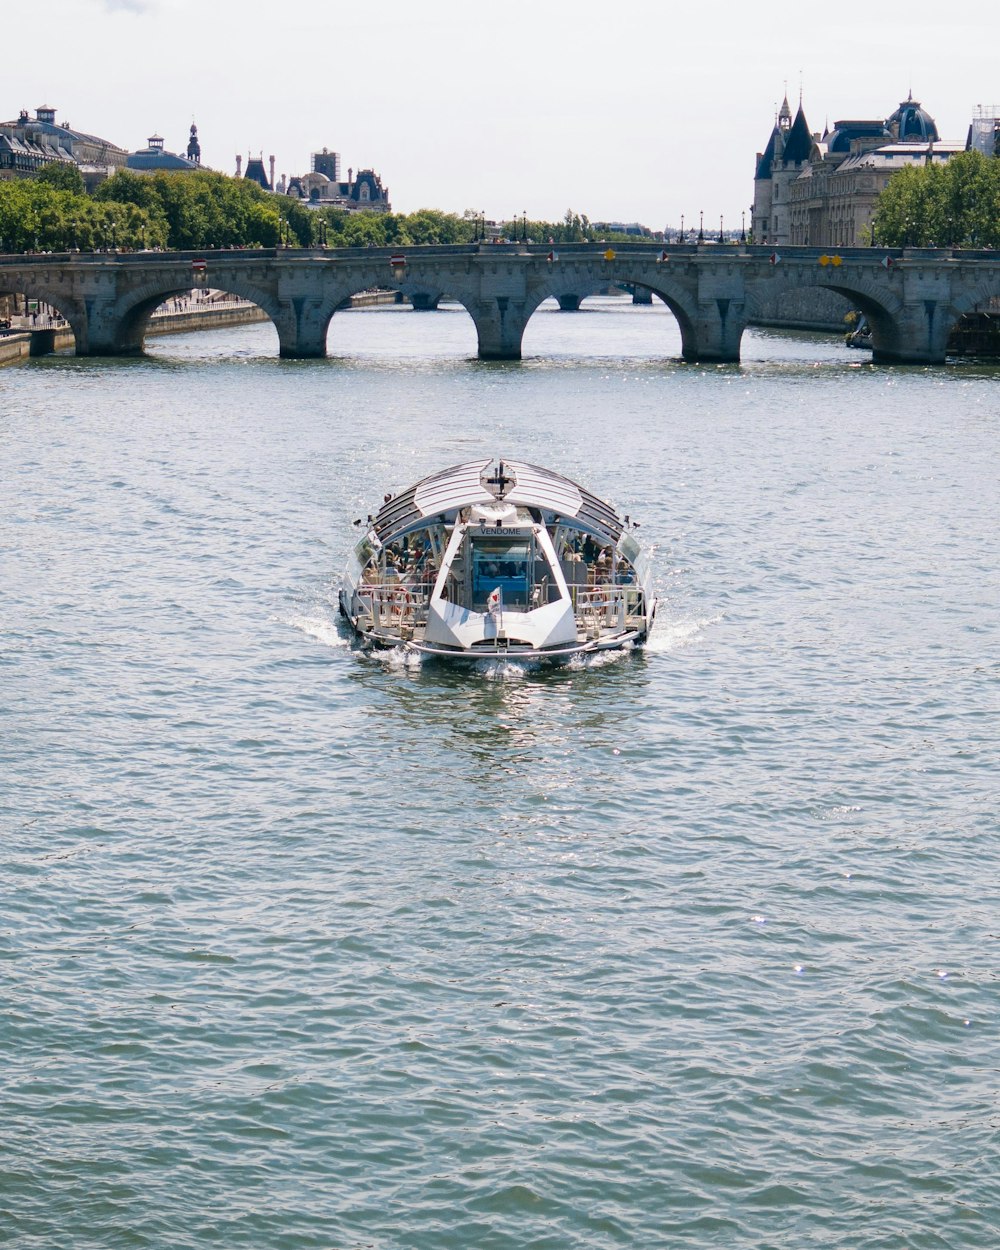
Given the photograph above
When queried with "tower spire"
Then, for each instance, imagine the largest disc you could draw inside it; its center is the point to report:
(784, 113)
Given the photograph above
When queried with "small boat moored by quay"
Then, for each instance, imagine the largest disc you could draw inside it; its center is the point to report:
(498, 559)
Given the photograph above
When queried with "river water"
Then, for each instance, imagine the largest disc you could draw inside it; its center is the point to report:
(695, 946)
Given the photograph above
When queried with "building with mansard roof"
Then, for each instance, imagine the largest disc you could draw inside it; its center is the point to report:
(820, 191)
(256, 172)
(323, 186)
(155, 157)
(30, 143)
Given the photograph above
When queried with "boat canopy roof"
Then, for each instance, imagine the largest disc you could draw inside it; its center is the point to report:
(445, 493)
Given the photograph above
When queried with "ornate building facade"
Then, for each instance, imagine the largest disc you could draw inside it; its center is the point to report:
(820, 190)
(323, 186)
(30, 143)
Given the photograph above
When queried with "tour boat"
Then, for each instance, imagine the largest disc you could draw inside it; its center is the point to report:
(498, 559)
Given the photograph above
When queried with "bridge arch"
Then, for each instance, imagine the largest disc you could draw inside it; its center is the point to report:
(69, 307)
(881, 307)
(134, 310)
(426, 291)
(501, 322)
(581, 286)
(970, 300)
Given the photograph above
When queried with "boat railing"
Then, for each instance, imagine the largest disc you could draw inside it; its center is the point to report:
(391, 606)
(606, 607)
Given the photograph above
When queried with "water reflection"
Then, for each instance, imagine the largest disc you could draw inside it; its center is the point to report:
(529, 731)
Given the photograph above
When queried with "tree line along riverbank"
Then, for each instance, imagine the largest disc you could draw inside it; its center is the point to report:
(51, 212)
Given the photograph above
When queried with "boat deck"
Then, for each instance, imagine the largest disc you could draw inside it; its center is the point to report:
(395, 612)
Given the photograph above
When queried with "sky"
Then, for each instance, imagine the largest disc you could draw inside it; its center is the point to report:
(635, 114)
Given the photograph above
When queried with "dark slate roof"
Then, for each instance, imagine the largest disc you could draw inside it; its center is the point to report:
(256, 173)
(151, 158)
(914, 122)
(54, 131)
(799, 143)
(766, 162)
(845, 132)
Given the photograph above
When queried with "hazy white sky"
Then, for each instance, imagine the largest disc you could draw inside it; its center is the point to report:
(636, 112)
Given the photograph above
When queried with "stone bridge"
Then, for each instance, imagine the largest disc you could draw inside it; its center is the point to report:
(911, 297)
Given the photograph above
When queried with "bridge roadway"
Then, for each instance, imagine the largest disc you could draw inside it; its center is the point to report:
(911, 297)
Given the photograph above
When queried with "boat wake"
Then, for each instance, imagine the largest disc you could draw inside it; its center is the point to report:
(588, 660)
(666, 636)
(329, 632)
(401, 659)
(672, 635)
(505, 670)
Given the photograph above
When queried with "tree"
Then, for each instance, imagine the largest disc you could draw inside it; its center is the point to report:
(191, 210)
(302, 221)
(429, 225)
(61, 176)
(125, 186)
(956, 204)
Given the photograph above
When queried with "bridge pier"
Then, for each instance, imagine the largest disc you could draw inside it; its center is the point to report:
(569, 302)
(500, 326)
(918, 336)
(101, 330)
(424, 301)
(715, 331)
(297, 350)
(301, 329)
(42, 343)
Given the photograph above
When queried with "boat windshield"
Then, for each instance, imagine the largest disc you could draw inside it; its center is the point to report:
(500, 563)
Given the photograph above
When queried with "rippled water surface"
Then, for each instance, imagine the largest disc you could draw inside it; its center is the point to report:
(693, 947)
